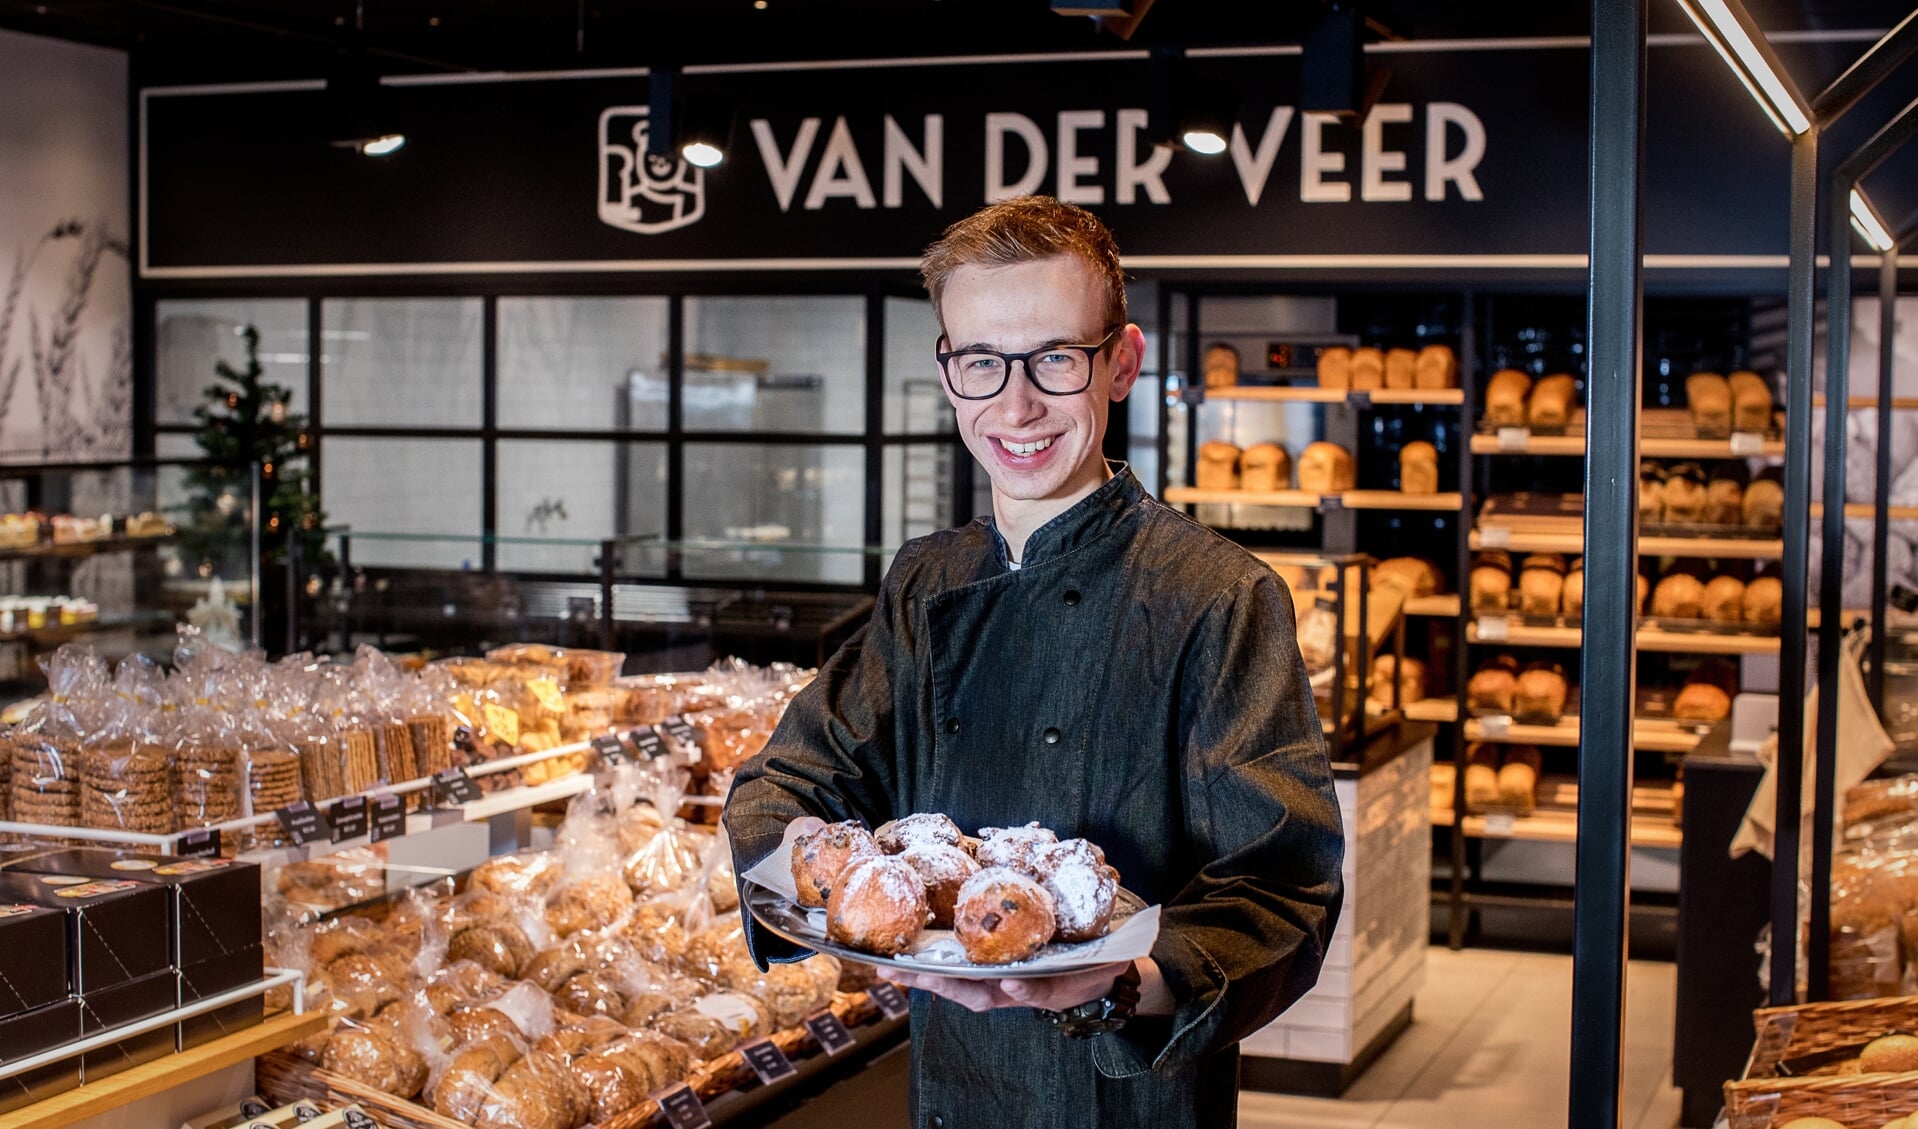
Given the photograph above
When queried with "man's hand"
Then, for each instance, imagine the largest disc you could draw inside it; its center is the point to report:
(1048, 993)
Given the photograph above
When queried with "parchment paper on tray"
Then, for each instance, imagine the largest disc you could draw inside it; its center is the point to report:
(1135, 926)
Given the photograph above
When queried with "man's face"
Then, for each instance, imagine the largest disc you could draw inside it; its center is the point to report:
(1037, 447)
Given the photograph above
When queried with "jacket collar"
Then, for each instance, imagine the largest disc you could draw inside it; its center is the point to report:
(1088, 519)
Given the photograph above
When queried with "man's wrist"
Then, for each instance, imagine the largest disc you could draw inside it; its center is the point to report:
(1155, 995)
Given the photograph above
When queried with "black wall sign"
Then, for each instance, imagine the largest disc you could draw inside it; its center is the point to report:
(304, 824)
(348, 817)
(1470, 152)
(389, 816)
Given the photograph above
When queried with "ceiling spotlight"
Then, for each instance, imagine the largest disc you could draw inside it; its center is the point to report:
(1204, 140)
(382, 145)
(702, 153)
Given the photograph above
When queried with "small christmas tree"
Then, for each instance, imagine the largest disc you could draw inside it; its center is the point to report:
(245, 420)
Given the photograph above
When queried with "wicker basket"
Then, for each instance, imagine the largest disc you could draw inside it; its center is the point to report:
(1764, 1098)
(284, 1077)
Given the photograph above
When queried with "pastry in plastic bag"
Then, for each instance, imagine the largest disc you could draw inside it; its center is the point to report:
(468, 1078)
(590, 993)
(371, 1057)
(537, 1092)
(499, 947)
(459, 983)
(790, 992)
(589, 903)
(517, 874)
(474, 1023)
(716, 1023)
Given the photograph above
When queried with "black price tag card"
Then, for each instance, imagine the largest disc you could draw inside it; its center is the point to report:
(683, 1108)
(357, 1119)
(199, 844)
(830, 1032)
(678, 729)
(304, 824)
(647, 744)
(768, 1061)
(611, 752)
(454, 787)
(388, 816)
(889, 999)
(348, 818)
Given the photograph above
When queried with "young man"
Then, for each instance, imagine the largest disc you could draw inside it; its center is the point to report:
(1093, 660)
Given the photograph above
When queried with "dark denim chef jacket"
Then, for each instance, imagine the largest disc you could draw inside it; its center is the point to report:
(1137, 682)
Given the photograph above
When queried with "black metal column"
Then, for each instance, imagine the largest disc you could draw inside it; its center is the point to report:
(1881, 487)
(1796, 558)
(1608, 659)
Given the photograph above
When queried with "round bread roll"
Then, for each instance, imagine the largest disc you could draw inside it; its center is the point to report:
(1679, 596)
(1003, 916)
(1326, 468)
(1505, 396)
(1221, 366)
(820, 857)
(1701, 701)
(1764, 602)
(878, 905)
(1751, 402)
(1017, 848)
(1724, 600)
(1401, 366)
(1764, 505)
(1368, 368)
(1266, 467)
(1410, 575)
(1335, 367)
(1418, 468)
(1436, 367)
(1552, 401)
(1889, 1054)
(918, 829)
(1218, 467)
(1709, 397)
(944, 869)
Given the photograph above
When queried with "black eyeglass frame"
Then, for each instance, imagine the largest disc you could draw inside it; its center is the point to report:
(1025, 361)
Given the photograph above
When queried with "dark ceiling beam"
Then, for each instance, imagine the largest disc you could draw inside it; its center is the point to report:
(332, 41)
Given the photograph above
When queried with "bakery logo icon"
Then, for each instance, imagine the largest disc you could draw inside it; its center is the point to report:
(637, 192)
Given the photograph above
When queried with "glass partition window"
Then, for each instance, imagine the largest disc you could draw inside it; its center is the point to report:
(406, 486)
(574, 363)
(776, 364)
(579, 493)
(915, 400)
(402, 362)
(805, 504)
(192, 336)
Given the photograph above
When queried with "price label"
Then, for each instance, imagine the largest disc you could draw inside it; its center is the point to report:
(306, 1112)
(647, 743)
(356, 1118)
(683, 1108)
(389, 816)
(1747, 443)
(1193, 393)
(1500, 825)
(831, 1033)
(1360, 398)
(1514, 438)
(1330, 502)
(348, 818)
(254, 1107)
(454, 787)
(611, 752)
(679, 730)
(1495, 537)
(768, 1061)
(891, 1001)
(1494, 628)
(1498, 725)
(303, 824)
(199, 844)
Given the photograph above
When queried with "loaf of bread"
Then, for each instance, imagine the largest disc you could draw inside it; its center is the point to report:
(1437, 367)
(1409, 677)
(1221, 366)
(1493, 686)
(1541, 585)
(1751, 402)
(1644, 589)
(1551, 401)
(1764, 602)
(1481, 775)
(1724, 600)
(1651, 493)
(1572, 600)
(1702, 701)
(1685, 497)
(1368, 368)
(1418, 468)
(1410, 575)
(1709, 396)
(1401, 368)
(1679, 596)
(1540, 694)
(1724, 501)
(1490, 584)
(1218, 466)
(1765, 504)
(1335, 367)
(1326, 468)
(1518, 778)
(1265, 466)
(1505, 396)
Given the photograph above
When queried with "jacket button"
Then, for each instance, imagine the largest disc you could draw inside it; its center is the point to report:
(1052, 736)
(1072, 597)
(935, 1122)
(952, 725)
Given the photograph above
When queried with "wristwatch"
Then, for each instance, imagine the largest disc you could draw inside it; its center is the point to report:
(1104, 1015)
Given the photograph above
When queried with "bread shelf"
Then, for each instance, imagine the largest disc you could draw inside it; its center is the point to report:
(1551, 826)
(1653, 735)
(1290, 394)
(1289, 499)
(1867, 511)
(1432, 709)
(1867, 403)
(1519, 634)
(1445, 607)
(1651, 448)
(1397, 500)
(1718, 548)
(78, 549)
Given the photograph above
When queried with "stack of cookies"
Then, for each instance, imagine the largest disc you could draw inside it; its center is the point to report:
(359, 760)
(126, 787)
(397, 761)
(206, 785)
(319, 761)
(272, 779)
(431, 749)
(46, 781)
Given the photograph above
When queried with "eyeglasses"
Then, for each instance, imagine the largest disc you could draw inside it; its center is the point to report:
(1056, 370)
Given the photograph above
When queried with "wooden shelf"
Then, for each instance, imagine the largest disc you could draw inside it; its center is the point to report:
(162, 1074)
(1432, 709)
(1551, 826)
(1866, 403)
(1651, 448)
(1867, 511)
(1649, 639)
(1301, 394)
(78, 549)
(1527, 635)
(1718, 548)
(1654, 735)
(1445, 607)
(1289, 499)
(1397, 500)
